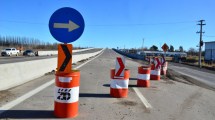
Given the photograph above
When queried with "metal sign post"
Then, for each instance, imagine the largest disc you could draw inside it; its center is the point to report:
(165, 47)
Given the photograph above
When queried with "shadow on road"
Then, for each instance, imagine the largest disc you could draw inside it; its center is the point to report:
(132, 86)
(96, 95)
(132, 78)
(27, 114)
(106, 85)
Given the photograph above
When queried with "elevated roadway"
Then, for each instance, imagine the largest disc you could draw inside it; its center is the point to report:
(164, 100)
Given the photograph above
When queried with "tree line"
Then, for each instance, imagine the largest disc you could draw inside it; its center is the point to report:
(192, 51)
(26, 43)
(170, 49)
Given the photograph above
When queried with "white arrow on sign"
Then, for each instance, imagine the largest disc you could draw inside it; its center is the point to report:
(70, 26)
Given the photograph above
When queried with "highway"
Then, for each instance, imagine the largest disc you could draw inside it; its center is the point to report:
(164, 100)
(12, 59)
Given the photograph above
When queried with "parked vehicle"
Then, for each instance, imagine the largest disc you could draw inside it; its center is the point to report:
(10, 52)
(28, 53)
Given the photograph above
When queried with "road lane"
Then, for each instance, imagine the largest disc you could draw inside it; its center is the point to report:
(175, 100)
(170, 100)
(199, 76)
(20, 99)
(13, 59)
(95, 102)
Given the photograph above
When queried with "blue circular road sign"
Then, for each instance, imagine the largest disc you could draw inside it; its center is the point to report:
(66, 25)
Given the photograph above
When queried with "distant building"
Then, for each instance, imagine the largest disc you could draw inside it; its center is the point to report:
(210, 51)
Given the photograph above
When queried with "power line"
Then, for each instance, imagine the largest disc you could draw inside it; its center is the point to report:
(103, 25)
(141, 24)
(23, 22)
(208, 36)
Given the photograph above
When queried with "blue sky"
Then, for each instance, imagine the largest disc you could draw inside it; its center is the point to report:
(115, 23)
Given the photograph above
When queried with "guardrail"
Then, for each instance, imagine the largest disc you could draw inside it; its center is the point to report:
(133, 56)
(13, 74)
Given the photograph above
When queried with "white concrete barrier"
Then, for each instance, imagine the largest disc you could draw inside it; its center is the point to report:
(54, 52)
(13, 74)
(47, 53)
(82, 50)
(77, 58)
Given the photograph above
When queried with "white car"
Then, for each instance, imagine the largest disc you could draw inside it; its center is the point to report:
(10, 52)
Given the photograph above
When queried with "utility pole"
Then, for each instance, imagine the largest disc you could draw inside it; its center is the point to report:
(200, 41)
(142, 44)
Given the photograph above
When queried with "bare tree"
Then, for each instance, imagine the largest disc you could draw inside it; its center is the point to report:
(192, 52)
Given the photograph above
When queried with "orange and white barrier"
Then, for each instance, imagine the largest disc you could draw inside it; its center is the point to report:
(66, 94)
(154, 73)
(147, 59)
(119, 85)
(150, 60)
(143, 78)
(164, 68)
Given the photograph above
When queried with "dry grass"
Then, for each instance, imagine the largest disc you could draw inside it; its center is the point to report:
(194, 58)
(203, 64)
(208, 65)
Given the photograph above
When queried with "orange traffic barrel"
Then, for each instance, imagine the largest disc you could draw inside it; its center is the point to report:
(147, 59)
(164, 68)
(143, 77)
(66, 94)
(119, 86)
(154, 73)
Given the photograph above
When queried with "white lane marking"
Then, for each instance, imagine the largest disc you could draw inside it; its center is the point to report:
(33, 92)
(24, 97)
(142, 98)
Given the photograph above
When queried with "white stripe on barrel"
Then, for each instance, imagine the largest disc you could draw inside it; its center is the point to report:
(155, 72)
(119, 83)
(143, 76)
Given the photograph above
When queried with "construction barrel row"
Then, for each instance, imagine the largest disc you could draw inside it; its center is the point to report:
(67, 84)
(119, 86)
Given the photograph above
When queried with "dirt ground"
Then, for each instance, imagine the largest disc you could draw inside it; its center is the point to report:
(173, 75)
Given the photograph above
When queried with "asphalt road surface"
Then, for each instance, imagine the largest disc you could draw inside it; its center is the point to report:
(13, 59)
(202, 77)
(164, 100)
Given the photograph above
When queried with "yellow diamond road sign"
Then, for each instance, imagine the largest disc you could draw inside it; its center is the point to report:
(165, 47)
